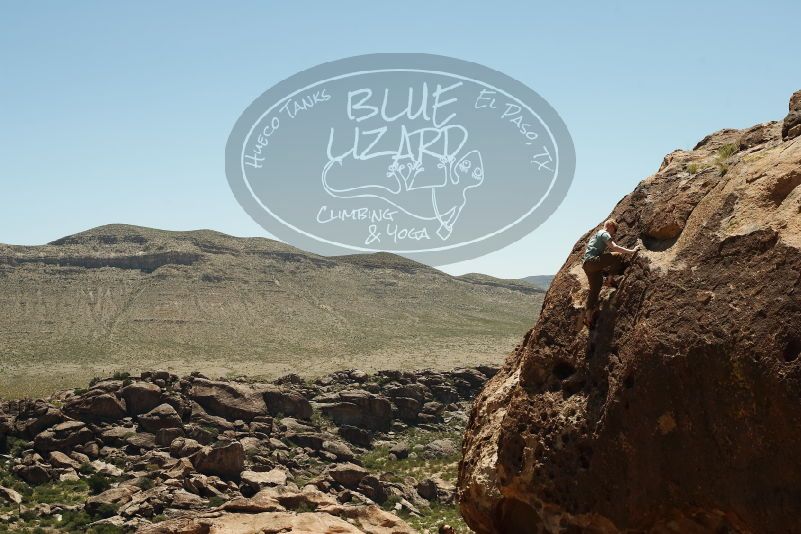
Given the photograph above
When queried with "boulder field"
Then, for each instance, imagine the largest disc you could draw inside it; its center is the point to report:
(168, 454)
(681, 410)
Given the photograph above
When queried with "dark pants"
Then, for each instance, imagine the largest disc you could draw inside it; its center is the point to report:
(612, 263)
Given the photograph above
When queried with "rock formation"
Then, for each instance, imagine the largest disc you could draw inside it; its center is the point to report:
(681, 410)
(165, 454)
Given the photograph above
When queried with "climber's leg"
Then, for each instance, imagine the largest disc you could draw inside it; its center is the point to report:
(593, 270)
(612, 263)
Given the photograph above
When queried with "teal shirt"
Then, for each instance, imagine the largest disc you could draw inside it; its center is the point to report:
(597, 245)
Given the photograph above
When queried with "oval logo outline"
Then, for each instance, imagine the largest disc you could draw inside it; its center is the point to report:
(425, 64)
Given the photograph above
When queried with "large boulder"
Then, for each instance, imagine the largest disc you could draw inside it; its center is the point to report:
(162, 416)
(141, 397)
(62, 437)
(347, 474)
(34, 416)
(181, 447)
(286, 402)
(33, 474)
(110, 498)
(9, 495)
(225, 459)
(256, 480)
(59, 459)
(360, 409)
(681, 410)
(229, 400)
(95, 406)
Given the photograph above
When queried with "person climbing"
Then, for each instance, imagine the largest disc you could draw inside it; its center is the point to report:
(602, 255)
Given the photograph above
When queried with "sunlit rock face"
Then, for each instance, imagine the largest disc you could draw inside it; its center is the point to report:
(681, 410)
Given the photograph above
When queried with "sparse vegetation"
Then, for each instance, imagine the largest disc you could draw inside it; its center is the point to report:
(368, 312)
(121, 375)
(416, 465)
(722, 157)
(15, 445)
(66, 493)
(98, 483)
(440, 514)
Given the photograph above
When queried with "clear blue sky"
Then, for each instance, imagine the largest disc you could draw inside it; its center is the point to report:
(113, 112)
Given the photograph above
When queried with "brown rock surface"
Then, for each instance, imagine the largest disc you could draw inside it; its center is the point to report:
(225, 399)
(372, 520)
(681, 411)
(141, 397)
(791, 127)
(160, 417)
(225, 459)
(96, 406)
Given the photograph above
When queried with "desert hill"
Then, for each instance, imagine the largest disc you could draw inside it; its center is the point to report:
(129, 298)
(542, 281)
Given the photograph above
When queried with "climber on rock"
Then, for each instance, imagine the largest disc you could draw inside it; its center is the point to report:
(602, 255)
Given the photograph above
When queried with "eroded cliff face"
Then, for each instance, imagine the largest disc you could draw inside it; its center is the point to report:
(681, 411)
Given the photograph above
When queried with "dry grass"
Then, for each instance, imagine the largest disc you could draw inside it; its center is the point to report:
(244, 306)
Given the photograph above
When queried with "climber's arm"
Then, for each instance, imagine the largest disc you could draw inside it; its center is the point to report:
(614, 247)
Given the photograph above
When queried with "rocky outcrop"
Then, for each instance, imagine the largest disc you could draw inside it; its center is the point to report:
(791, 127)
(219, 454)
(260, 515)
(146, 262)
(681, 410)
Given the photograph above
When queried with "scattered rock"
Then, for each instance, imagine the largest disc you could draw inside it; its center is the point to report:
(440, 448)
(400, 450)
(172, 446)
(59, 459)
(258, 480)
(9, 495)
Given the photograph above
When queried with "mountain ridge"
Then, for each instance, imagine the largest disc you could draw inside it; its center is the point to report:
(89, 303)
